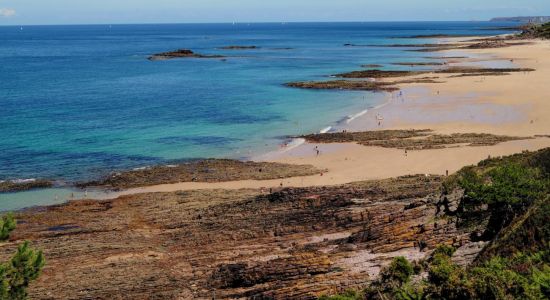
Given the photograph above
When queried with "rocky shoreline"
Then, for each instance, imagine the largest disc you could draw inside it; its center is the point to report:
(209, 170)
(10, 186)
(292, 243)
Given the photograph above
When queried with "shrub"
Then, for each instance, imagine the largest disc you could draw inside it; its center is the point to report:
(7, 225)
(399, 271)
(15, 275)
(506, 191)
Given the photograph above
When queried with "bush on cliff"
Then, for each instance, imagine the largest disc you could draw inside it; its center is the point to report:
(348, 295)
(7, 225)
(500, 193)
(399, 271)
(24, 266)
(16, 274)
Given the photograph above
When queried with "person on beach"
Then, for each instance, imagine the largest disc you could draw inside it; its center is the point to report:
(406, 152)
(318, 152)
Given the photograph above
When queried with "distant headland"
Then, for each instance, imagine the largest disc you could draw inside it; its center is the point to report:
(527, 19)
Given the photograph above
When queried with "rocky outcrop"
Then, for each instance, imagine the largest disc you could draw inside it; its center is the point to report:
(209, 170)
(410, 139)
(181, 53)
(295, 243)
(23, 185)
(373, 86)
(416, 64)
(374, 73)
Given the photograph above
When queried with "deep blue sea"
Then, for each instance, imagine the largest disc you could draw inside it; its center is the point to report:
(77, 102)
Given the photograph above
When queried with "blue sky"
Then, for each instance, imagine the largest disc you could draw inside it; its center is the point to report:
(22, 12)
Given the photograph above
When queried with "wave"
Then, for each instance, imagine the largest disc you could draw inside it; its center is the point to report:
(326, 129)
(293, 144)
(357, 115)
(18, 181)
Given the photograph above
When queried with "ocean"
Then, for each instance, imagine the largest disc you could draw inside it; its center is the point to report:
(79, 102)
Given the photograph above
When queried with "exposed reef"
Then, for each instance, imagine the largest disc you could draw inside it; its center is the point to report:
(411, 139)
(210, 170)
(181, 53)
(435, 36)
(373, 86)
(375, 73)
(415, 64)
(23, 185)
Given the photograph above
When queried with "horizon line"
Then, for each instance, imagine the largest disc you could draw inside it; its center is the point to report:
(244, 22)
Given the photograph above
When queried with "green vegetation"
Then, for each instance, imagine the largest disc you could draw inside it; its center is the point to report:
(543, 31)
(523, 276)
(503, 193)
(399, 271)
(15, 275)
(537, 31)
(24, 267)
(509, 200)
(7, 225)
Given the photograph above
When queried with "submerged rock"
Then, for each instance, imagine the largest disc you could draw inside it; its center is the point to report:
(233, 47)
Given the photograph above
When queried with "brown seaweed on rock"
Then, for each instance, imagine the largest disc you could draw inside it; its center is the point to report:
(181, 53)
(373, 86)
(18, 186)
(411, 139)
(209, 170)
(375, 73)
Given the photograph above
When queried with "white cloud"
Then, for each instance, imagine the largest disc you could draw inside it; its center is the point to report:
(7, 12)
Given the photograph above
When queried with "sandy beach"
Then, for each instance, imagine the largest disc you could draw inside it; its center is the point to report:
(514, 104)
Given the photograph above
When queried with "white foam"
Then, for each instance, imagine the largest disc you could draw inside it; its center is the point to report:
(357, 115)
(326, 129)
(140, 168)
(294, 143)
(23, 180)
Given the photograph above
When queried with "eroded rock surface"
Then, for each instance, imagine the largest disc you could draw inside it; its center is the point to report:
(294, 243)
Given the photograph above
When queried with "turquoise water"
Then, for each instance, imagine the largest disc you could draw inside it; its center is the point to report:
(78, 102)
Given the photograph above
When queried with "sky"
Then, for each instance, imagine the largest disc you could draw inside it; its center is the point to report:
(27, 12)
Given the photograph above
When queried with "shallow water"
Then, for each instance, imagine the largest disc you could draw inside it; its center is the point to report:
(78, 102)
